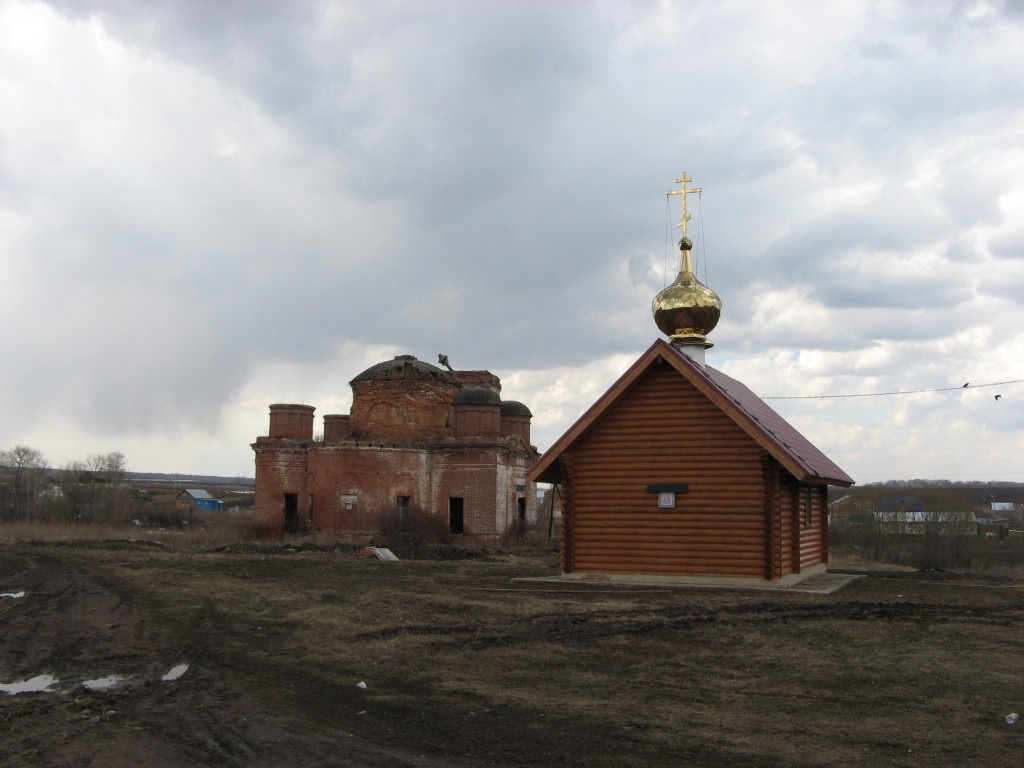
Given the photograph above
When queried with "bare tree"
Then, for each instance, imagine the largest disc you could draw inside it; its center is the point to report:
(22, 479)
(73, 501)
(108, 466)
(99, 494)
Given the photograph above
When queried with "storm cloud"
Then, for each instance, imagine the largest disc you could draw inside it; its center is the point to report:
(208, 207)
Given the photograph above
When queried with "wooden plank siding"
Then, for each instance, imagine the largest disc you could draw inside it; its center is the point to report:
(814, 535)
(744, 515)
(664, 431)
(756, 500)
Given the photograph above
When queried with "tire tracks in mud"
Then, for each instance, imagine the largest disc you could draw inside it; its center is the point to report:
(67, 622)
(672, 614)
(77, 626)
(603, 623)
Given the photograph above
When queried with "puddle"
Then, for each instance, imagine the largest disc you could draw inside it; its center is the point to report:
(13, 595)
(174, 673)
(105, 683)
(37, 684)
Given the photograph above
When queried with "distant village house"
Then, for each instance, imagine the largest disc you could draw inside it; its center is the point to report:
(197, 498)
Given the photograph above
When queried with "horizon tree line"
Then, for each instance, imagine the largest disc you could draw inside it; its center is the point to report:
(82, 491)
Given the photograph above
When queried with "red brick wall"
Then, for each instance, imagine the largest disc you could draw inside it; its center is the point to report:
(290, 420)
(477, 420)
(371, 478)
(281, 468)
(484, 379)
(400, 440)
(337, 427)
(388, 410)
(516, 426)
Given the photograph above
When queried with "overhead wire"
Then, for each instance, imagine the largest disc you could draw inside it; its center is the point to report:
(961, 388)
(702, 249)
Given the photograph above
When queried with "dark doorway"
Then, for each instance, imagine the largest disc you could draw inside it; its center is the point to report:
(455, 519)
(291, 513)
(521, 504)
(403, 506)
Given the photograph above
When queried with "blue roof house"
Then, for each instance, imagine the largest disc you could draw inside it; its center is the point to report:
(198, 499)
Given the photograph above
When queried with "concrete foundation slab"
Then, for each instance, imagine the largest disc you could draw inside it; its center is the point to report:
(820, 584)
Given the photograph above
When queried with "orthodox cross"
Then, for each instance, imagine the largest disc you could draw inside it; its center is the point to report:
(683, 180)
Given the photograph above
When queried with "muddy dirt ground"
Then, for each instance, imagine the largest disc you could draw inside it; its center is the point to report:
(898, 669)
(218, 713)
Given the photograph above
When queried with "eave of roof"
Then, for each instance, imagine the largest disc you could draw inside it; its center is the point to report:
(769, 430)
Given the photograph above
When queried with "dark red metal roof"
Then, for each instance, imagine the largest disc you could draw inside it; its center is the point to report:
(773, 433)
(779, 432)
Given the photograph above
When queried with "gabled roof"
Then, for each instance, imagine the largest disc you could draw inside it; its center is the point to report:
(196, 493)
(769, 430)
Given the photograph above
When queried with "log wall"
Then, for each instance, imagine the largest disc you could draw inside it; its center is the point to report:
(743, 515)
(662, 432)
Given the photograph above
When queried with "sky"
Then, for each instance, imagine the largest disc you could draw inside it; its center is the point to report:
(206, 208)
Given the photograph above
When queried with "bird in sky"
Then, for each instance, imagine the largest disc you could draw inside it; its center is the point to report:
(999, 397)
(965, 386)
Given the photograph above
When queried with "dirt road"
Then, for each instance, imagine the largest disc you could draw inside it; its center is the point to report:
(72, 626)
(466, 668)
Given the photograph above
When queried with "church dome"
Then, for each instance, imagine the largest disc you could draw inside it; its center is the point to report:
(514, 408)
(477, 396)
(404, 367)
(687, 311)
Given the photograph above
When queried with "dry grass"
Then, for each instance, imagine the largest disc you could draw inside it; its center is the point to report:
(209, 535)
(39, 533)
(899, 669)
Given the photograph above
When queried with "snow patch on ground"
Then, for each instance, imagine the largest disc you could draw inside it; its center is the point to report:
(174, 672)
(37, 684)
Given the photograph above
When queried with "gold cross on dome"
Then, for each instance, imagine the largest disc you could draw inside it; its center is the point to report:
(683, 180)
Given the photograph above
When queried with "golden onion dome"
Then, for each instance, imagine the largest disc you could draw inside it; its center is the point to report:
(687, 311)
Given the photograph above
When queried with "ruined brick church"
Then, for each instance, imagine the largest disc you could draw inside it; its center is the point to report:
(416, 434)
